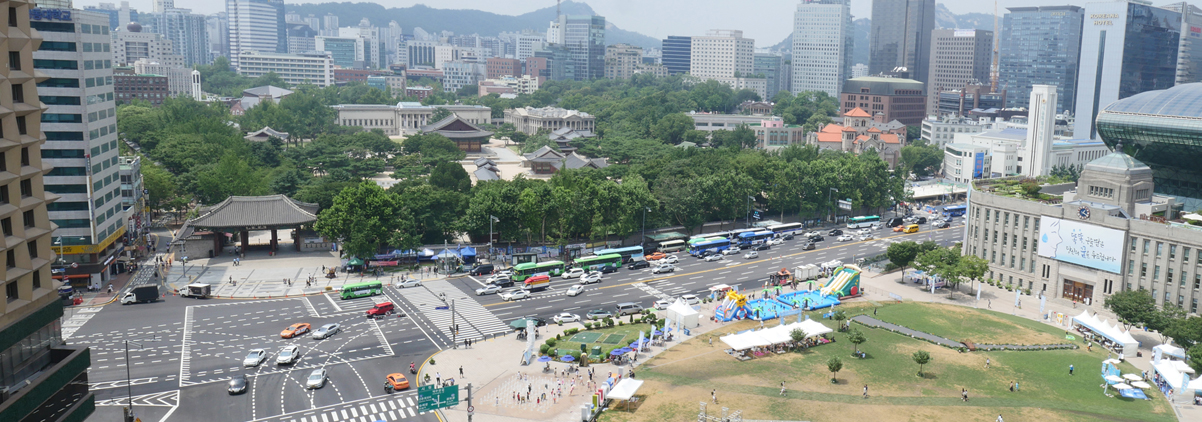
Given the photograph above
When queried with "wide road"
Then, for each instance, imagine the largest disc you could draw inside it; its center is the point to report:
(694, 275)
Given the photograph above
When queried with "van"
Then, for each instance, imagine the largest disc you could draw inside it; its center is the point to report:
(482, 269)
(628, 308)
(913, 228)
(894, 222)
(381, 309)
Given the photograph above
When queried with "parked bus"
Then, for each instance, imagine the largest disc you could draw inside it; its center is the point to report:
(370, 288)
(672, 246)
(626, 252)
(954, 210)
(863, 222)
(701, 238)
(786, 229)
(714, 244)
(734, 234)
(753, 238)
(523, 271)
(595, 262)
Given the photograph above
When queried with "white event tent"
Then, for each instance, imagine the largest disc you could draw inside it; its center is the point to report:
(1114, 333)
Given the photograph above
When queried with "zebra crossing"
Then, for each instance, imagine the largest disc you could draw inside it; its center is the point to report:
(474, 321)
(162, 399)
(76, 321)
(389, 407)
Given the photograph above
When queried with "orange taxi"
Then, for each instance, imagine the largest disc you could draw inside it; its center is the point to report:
(656, 256)
(395, 382)
(899, 228)
(295, 330)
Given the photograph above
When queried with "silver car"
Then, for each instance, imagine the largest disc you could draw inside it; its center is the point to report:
(255, 357)
(288, 354)
(488, 290)
(326, 331)
(317, 379)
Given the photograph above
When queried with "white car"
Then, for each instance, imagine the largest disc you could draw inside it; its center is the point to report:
(409, 283)
(846, 238)
(575, 290)
(731, 251)
(751, 255)
(690, 299)
(496, 278)
(865, 231)
(325, 331)
(670, 259)
(776, 241)
(866, 237)
(565, 317)
(515, 294)
(661, 304)
(590, 278)
(317, 379)
(714, 257)
(574, 273)
(505, 273)
(490, 289)
(255, 357)
(665, 268)
(812, 234)
(288, 354)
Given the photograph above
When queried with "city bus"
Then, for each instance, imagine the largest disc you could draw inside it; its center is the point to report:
(672, 246)
(786, 229)
(626, 252)
(954, 210)
(754, 238)
(714, 244)
(863, 222)
(734, 234)
(369, 288)
(701, 238)
(523, 271)
(595, 262)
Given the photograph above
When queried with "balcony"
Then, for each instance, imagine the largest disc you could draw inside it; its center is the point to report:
(59, 393)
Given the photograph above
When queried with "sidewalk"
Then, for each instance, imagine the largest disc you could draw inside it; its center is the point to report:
(493, 368)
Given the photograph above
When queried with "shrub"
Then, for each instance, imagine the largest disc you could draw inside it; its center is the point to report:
(890, 267)
(542, 349)
(621, 323)
(551, 342)
(588, 325)
(571, 331)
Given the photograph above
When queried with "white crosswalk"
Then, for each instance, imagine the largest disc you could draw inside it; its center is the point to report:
(474, 321)
(76, 321)
(388, 408)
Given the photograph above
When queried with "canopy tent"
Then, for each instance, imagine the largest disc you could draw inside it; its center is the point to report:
(447, 253)
(1192, 216)
(1104, 329)
(1174, 372)
(813, 328)
(1166, 351)
(468, 253)
(738, 341)
(681, 311)
(355, 262)
(625, 389)
(775, 335)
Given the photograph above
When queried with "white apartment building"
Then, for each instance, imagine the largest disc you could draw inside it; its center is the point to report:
(964, 162)
(822, 46)
(458, 74)
(256, 25)
(80, 123)
(132, 44)
(722, 53)
(859, 70)
(296, 69)
(940, 131)
(179, 79)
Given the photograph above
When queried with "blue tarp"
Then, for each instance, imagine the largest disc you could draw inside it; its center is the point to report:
(1133, 393)
(469, 254)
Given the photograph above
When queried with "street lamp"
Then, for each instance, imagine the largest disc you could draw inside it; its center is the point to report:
(828, 202)
(128, 380)
(749, 199)
(491, 219)
(644, 239)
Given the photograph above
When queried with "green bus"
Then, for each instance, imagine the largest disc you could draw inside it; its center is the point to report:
(594, 263)
(370, 288)
(549, 268)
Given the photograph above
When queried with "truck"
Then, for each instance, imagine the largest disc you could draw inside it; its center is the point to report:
(196, 290)
(538, 283)
(140, 294)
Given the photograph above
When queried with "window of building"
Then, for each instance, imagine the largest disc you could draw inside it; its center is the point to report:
(10, 289)
(33, 248)
(37, 279)
(22, 128)
(1168, 277)
(24, 156)
(26, 188)
(1159, 248)
(1143, 269)
(6, 225)
(1156, 273)
(18, 93)
(1147, 243)
(1130, 266)
(29, 219)
(1133, 242)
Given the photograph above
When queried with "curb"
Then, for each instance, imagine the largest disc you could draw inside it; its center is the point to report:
(417, 382)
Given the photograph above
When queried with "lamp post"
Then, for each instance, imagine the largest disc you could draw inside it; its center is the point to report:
(491, 219)
(644, 239)
(828, 202)
(128, 380)
(749, 199)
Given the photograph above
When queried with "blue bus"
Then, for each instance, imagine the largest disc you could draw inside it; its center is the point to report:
(754, 238)
(954, 210)
(626, 252)
(734, 234)
(716, 244)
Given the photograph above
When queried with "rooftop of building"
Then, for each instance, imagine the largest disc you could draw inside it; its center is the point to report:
(880, 85)
(1183, 100)
(549, 112)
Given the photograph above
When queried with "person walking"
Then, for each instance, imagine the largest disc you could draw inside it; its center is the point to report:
(964, 394)
(999, 418)
(1070, 369)
(782, 389)
(1016, 386)
(1011, 386)
(865, 390)
(460, 371)
(714, 396)
(986, 363)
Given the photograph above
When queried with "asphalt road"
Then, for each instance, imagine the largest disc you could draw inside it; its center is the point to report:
(694, 275)
(183, 351)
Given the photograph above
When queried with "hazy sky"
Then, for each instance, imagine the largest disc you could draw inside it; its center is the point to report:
(767, 21)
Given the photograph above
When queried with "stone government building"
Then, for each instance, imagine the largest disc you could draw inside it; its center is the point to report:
(405, 118)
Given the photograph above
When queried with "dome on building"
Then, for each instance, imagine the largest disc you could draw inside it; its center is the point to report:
(1118, 163)
(1182, 100)
(133, 27)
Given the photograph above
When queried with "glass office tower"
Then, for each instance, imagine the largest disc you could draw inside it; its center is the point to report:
(1040, 46)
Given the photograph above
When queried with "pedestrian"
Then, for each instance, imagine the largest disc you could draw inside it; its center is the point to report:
(498, 401)
(986, 363)
(110, 287)
(1016, 386)
(964, 393)
(714, 396)
(461, 370)
(865, 390)
(999, 418)
(438, 378)
(1070, 369)
(711, 341)
(782, 388)
(1011, 386)
(989, 304)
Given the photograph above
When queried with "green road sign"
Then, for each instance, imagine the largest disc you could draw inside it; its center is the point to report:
(430, 397)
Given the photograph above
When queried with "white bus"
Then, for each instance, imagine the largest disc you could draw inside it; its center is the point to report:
(673, 246)
(863, 222)
(786, 229)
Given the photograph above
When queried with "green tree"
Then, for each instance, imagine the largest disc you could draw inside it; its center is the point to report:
(942, 262)
(364, 218)
(433, 148)
(856, 338)
(922, 358)
(921, 160)
(232, 176)
(902, 254)
(160, 184)
(1133, 307)
(834, 364)
(451, 176)
(1165, 318)
(1195, 358)
(672, 128)
(439, 114)
(797, 335)
(1186, 331)
(840, 316)
(536, 142)
(972, 267)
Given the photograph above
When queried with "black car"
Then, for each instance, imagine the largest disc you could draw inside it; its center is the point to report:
(504, 282)
(895, 221)
(788, 237)
(763, 247)
(835, 232)
(482, 269)
(817, 238)
(538, 322)
(921, 220)
(639, 264)
(606, 269)
(943, 225)
(237, 384)
(808, 246)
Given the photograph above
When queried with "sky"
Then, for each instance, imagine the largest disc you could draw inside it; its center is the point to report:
(768, 21)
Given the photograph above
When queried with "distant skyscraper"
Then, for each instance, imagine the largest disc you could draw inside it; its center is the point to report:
(161, 6)
(822, 46)
(1040, 46)
(958, 57)
(677, 52)
(329, 25)
(301, 39)
(769, 65)
(187, 31)
(314, 22)
(217, 26)
(901, 36)
(725, 56)
(1110, 70)
(1189, 61)
(584, 37)
(256, 25)
(859, 70)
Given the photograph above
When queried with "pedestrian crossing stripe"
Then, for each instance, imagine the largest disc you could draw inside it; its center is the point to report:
(474, 321)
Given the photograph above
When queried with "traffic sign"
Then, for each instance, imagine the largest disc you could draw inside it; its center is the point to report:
(431, 398)
(441, 307)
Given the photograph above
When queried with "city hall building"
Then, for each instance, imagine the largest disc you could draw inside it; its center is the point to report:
(1108, 233)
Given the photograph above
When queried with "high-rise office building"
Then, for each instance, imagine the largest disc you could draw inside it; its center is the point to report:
(822, 46)
(1040, 46)
(1126, 48)
(1041, 126)
(329, 25)
(217, 26)
(346, 52)
(256, 25)
(958, 57)
(301, 38)
(118, 17)
(188, 34)
(80, 123)
(133, 44)
(677, 54)
(725, 56)
(1189, 51)
(161, 6)
(584, 37)
(41, 377)
(771, 67)
(901, 37)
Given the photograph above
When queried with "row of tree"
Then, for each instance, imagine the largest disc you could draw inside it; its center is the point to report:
(1137, 308)
(932, 259)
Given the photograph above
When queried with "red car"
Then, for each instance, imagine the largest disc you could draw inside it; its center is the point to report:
(381, 309)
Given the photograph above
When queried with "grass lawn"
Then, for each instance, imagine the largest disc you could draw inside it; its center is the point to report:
(961, 323)
(608, 338)
(683, 376)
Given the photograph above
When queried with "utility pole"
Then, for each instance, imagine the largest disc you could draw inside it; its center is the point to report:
(828, 202)
(129, 417)
(491, 220)
(470, 409)
(644, 239)
(749, 211)
(454, 332)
